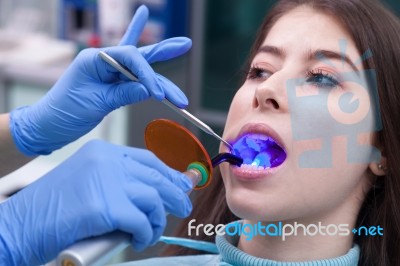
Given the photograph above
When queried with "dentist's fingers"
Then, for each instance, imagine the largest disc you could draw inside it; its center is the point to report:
(132, 59)
(166, 49)
(136, 26)
(174, 199)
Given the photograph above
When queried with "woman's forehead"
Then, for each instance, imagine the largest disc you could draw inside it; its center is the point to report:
(304, 29)
(308, 28)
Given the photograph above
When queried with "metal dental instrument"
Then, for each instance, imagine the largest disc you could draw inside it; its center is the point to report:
(188, 116)
(197, 122)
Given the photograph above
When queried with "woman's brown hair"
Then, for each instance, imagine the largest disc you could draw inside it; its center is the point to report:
(372, 27)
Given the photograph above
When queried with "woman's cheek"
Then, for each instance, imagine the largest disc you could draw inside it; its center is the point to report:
(242, 101)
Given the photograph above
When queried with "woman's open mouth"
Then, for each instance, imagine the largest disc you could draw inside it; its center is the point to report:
(259, 151)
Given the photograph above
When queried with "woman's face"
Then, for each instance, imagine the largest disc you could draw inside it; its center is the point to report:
(307, 144)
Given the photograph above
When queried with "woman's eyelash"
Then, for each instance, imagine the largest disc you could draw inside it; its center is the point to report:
(315, 77)
(257, 72)
(322, 79)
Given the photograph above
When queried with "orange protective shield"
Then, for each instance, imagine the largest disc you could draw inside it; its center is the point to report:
(176, 146)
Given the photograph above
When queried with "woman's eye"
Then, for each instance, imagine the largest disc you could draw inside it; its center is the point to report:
(258, 73)
(322, 80)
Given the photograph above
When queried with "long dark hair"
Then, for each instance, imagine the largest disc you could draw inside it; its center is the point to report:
(372, 27)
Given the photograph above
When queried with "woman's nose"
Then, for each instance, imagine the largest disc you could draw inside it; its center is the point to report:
(271, 96)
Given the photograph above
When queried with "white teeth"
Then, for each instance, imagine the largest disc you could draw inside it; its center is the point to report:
(252, 167)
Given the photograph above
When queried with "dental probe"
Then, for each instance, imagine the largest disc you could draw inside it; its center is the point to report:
(188, 116)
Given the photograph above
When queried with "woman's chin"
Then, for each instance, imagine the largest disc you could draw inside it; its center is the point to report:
(254, 212)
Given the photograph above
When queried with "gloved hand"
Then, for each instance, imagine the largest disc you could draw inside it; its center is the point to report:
(91, 88)
(99, 189)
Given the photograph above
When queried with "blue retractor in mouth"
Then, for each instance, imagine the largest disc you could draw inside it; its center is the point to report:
(259, 150)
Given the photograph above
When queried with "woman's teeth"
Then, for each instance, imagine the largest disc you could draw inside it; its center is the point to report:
(263, 158)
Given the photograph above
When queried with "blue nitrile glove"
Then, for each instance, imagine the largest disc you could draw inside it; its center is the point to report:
(91, 88)
(99, 189)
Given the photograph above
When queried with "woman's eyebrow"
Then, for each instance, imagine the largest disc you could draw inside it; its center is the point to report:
(324, 55)
(319, 55)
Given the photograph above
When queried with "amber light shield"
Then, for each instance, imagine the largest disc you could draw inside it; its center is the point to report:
(176, 146)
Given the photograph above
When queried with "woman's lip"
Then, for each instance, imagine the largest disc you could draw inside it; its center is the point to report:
(259, 128)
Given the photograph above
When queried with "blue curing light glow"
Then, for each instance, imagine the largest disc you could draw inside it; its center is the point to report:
(262, 159)
(259, 150)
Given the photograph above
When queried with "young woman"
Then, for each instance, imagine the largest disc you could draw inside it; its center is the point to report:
(307, 56)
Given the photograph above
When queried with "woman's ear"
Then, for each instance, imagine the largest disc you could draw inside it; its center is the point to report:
(379, 168)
